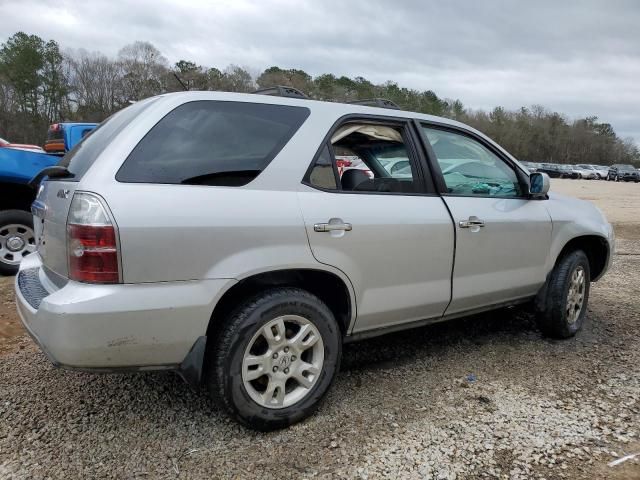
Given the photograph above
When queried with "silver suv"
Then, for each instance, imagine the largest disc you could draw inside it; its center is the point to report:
(215, 234)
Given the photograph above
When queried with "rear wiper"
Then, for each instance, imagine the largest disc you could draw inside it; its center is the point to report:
(51, 172)
(234, 178)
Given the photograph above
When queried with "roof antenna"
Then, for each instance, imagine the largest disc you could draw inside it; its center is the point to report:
(186, 89)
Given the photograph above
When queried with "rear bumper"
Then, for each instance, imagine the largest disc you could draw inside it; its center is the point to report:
(112, 327)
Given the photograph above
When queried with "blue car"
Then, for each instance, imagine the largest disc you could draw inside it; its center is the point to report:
(17, 168)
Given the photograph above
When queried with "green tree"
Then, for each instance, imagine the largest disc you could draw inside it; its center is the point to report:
(21, 60)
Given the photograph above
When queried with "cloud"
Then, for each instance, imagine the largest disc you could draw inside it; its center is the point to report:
(576, 57)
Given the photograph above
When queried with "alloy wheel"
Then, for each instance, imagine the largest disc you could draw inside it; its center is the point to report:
(283, 361)
(575, 296)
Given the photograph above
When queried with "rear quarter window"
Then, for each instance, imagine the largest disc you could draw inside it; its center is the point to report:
(81, 157)
(212, 143)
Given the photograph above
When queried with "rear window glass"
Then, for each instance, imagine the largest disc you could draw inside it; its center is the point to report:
(81, 157)
(212, 143)
(55, 134)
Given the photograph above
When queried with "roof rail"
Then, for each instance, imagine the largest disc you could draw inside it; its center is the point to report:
(281, 91)
(376, 102)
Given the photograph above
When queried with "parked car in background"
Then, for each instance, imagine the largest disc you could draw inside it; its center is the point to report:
(17, 167)
(62, 136)
(586, 171)
(551, 169)
(602, 171)
(625, 173)
(20, 146)
(568, 171)
(281, 258)
(397, 167)
(17, 238)
(530, 166)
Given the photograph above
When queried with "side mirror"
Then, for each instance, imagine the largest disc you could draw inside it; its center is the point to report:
(539, 184)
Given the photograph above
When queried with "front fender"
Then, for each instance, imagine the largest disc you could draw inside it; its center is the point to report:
(573, 218)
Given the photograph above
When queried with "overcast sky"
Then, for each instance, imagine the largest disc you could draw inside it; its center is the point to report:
(576, 57)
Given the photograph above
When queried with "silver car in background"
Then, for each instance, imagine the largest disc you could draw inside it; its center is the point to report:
(212, 234)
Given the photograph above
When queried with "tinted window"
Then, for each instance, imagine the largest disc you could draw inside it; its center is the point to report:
(322, 174)
(81, 157)
(212, 143)
(470, 168)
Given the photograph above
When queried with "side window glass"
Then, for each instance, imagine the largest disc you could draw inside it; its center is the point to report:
(471, 169)
(397, 167)
(322, 174)
(373, 158)
(214, 143)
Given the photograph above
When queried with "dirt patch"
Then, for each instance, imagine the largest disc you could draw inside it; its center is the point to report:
(10, 325)
(480, 397)
(620, 201)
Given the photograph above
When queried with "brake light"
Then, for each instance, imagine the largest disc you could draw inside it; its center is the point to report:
(91, 241)
(340, 163)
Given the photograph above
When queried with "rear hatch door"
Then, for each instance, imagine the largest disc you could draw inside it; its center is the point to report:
(53, 201)
(50, 211)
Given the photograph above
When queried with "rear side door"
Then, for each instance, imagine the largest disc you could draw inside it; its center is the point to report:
(502, 236)
(388, 232)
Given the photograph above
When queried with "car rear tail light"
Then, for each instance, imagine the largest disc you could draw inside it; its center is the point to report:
(343, 163)
(91, 241)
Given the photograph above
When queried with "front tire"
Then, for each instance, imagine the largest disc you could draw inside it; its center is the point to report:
(562, 304)
(275, 358)
(17, 239)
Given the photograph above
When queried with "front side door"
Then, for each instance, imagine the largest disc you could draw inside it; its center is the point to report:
(374, 219)
(502, 237)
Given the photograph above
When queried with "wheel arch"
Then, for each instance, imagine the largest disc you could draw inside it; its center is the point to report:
(595, 247)
(332, 288)
(16, 196)
(328, 286)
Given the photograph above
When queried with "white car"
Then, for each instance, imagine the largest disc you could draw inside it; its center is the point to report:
(587, 172)
(601, 170)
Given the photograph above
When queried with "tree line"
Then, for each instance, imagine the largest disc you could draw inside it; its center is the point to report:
(40, 84)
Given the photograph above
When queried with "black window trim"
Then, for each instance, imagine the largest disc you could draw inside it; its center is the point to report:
(434, 166)
(277, 149)
(422, 181)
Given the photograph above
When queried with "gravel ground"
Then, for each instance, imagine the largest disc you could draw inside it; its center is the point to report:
(483, 397)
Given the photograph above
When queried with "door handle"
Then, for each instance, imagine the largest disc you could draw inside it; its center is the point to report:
(472, 222)
(332, 227)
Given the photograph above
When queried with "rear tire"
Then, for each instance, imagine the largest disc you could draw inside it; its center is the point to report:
(562, 304)
(17, 239)
(274, 358)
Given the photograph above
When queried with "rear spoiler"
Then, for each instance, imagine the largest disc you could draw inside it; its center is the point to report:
(55, 171)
